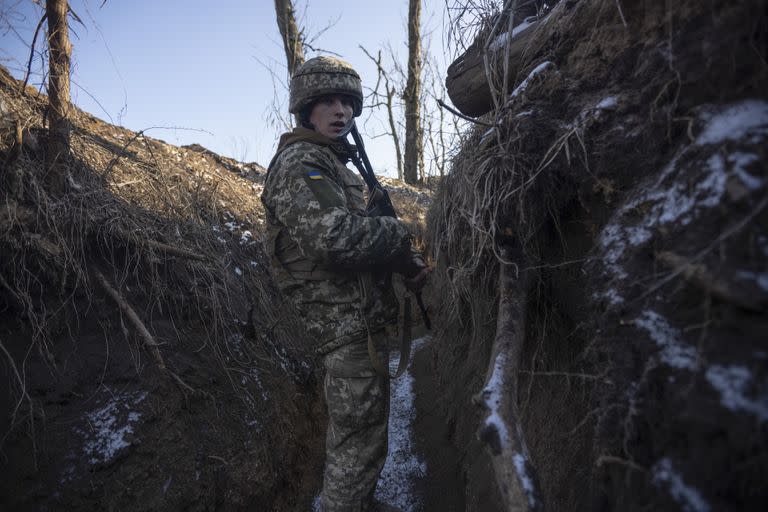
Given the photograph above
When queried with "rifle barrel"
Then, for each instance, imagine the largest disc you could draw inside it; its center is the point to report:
(368, 176)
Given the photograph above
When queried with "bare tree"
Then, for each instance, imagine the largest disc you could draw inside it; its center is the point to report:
(386, 99)
(414, 147)
(59, 107)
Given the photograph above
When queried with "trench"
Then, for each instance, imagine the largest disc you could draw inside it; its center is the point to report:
(425, 471)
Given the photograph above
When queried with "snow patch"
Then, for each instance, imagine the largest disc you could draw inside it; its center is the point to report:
(673, 352)
(492, 394)
(745, 120)
(739, 162)
(732, 383)
(109, 426)
(679, 202)
(519, 460)
(397, 484)
(762, 244)
(689, 498)
(692, 190)
(607, 103)
(613, 244)
(490, 131)
(761, 279)
(612, 295)
(525, 83)
(501, 40)
(246, 237)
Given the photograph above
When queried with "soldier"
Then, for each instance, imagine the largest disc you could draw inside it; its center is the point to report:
(326, 254)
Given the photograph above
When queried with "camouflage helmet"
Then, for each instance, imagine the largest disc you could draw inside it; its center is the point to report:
(320, 76)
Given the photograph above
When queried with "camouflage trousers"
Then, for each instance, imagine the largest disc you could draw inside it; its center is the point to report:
(356, 443)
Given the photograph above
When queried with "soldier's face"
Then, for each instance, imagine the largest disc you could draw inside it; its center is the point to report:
(331, 114)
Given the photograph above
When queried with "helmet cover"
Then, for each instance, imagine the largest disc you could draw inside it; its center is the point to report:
(321, 76)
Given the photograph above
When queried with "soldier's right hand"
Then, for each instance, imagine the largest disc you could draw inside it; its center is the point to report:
(416, 283)
(415, 271)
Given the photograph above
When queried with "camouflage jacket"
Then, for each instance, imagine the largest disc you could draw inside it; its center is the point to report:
(325, 252)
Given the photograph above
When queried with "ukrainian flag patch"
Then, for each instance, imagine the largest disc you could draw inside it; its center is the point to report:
(314, 175)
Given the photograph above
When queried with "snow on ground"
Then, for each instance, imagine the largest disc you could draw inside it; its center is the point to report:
(108, 427)
(674, 352)
(404, 467)
(746, 120)
(732, 383)
(689, 498)
(607, 103)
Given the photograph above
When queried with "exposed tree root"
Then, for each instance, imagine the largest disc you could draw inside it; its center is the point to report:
(502, 430)
(126, 308)
(175, 251)
(700, 276)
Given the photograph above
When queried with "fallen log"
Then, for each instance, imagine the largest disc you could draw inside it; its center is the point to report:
(495, 58)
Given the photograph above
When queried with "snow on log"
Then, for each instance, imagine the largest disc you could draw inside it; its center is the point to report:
(501, 430)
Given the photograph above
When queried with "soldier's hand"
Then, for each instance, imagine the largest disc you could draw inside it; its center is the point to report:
(417, 282)
(415, 272)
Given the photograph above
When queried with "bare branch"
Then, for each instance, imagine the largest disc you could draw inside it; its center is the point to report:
(32, 50)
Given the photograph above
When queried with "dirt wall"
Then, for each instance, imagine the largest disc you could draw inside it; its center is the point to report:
(628, 174)
(148, 359)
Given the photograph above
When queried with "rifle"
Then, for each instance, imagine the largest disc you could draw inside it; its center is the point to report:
(379, 203)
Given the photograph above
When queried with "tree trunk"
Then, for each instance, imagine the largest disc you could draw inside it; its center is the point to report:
(59, 107)
(413, 141)
(289, 31)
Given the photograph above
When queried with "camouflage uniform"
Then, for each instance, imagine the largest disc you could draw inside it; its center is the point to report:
(324, 253)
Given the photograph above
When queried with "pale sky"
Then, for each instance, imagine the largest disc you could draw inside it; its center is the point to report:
(197, 64)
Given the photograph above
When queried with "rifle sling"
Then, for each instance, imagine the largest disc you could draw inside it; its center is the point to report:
(405, 345)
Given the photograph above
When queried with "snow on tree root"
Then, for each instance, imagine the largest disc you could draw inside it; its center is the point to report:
(502, 431)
